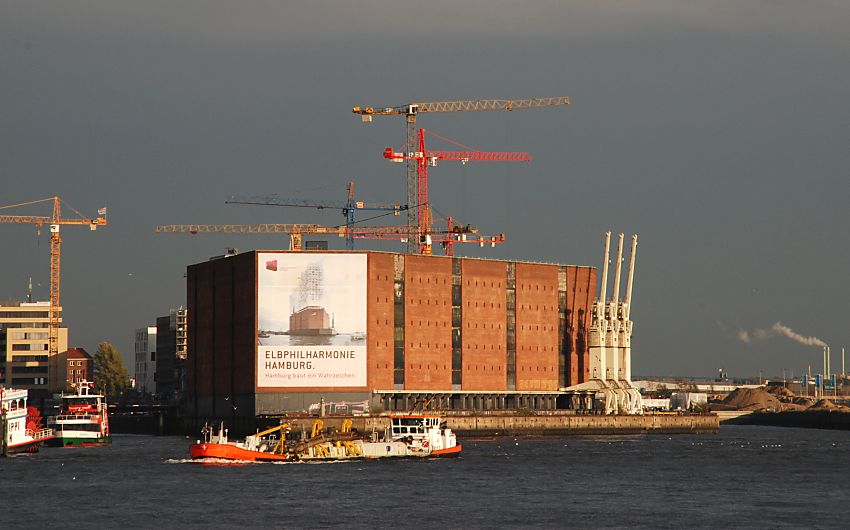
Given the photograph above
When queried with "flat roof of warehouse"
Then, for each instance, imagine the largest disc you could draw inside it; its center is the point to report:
(422, 255)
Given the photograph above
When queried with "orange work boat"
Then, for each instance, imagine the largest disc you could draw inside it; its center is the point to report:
(410, 436)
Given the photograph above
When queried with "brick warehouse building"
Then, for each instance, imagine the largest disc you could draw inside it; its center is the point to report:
(462, 332)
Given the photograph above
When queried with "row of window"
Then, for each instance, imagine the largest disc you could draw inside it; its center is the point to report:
(475, 367)
(29, 380)
(29, 369)
(470, 325)
(15, 404)
(28, 335)
(88, 427)
(13, 325)
(472, 347)
(24, 314)
(29, 347)
(470, 304)
(30, 358)
(493, 284)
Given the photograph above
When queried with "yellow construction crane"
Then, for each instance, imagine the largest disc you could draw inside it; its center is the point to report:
(411, 110)
(55, 221)
(296, 231)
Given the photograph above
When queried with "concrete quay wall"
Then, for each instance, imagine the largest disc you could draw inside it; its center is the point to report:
(583, 424)
(468, 425)
(511, 425)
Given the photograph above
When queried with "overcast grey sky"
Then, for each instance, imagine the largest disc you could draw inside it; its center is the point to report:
(716, 130)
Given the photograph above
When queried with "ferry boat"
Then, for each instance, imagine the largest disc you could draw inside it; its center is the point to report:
(22, 428)
(410, 436)
(82, 420)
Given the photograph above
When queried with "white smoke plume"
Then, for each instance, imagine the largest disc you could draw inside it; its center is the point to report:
(778, 329)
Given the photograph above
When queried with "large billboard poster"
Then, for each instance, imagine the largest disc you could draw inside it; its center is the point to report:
(311, 315)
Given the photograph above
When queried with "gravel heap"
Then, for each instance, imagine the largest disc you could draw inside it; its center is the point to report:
(752, 399)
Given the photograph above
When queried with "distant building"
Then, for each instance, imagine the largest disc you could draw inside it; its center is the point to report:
(74, 366)
(171, 352)
(24, 346)
(144, 366)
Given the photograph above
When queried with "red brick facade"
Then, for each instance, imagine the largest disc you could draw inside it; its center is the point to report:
(427, 322)
(79, 366)
(550, 308)
(484, 326)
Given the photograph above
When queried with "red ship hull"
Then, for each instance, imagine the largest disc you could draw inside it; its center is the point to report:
(231, 452)
(451, 451)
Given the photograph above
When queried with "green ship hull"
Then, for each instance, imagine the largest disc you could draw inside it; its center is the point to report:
(73, 441)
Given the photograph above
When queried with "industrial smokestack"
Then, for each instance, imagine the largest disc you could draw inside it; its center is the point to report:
(630, 281)
(604, 292)
(616, 297)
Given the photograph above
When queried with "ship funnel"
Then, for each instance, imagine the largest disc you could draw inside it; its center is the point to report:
(616, 297)
(604, 292)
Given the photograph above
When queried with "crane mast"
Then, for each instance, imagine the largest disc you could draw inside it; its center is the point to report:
(410, 112)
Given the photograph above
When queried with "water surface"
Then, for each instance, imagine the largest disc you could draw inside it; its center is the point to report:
(743, 477)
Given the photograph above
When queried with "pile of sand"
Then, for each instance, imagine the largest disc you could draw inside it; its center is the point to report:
(752, 399)
(803, 401)
(781, 392)
(825, 404)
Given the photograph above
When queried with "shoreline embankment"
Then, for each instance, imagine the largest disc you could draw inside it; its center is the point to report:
(806, 419)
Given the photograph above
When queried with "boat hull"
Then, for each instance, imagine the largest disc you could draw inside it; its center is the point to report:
(73, 441)
(231, 452)
(29, 446)
(451, 451)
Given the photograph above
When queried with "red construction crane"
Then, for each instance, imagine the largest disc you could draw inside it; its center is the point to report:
(411, 110)
(429, 157)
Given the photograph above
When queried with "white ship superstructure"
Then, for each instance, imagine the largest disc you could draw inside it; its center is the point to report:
(19, 437)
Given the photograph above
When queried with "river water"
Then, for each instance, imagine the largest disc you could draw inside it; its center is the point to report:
(742, 477)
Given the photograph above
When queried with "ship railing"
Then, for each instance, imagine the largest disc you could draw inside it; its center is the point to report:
(40, 434)
(74, 417)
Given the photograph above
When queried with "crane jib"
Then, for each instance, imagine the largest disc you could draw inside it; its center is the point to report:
(464, 106)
